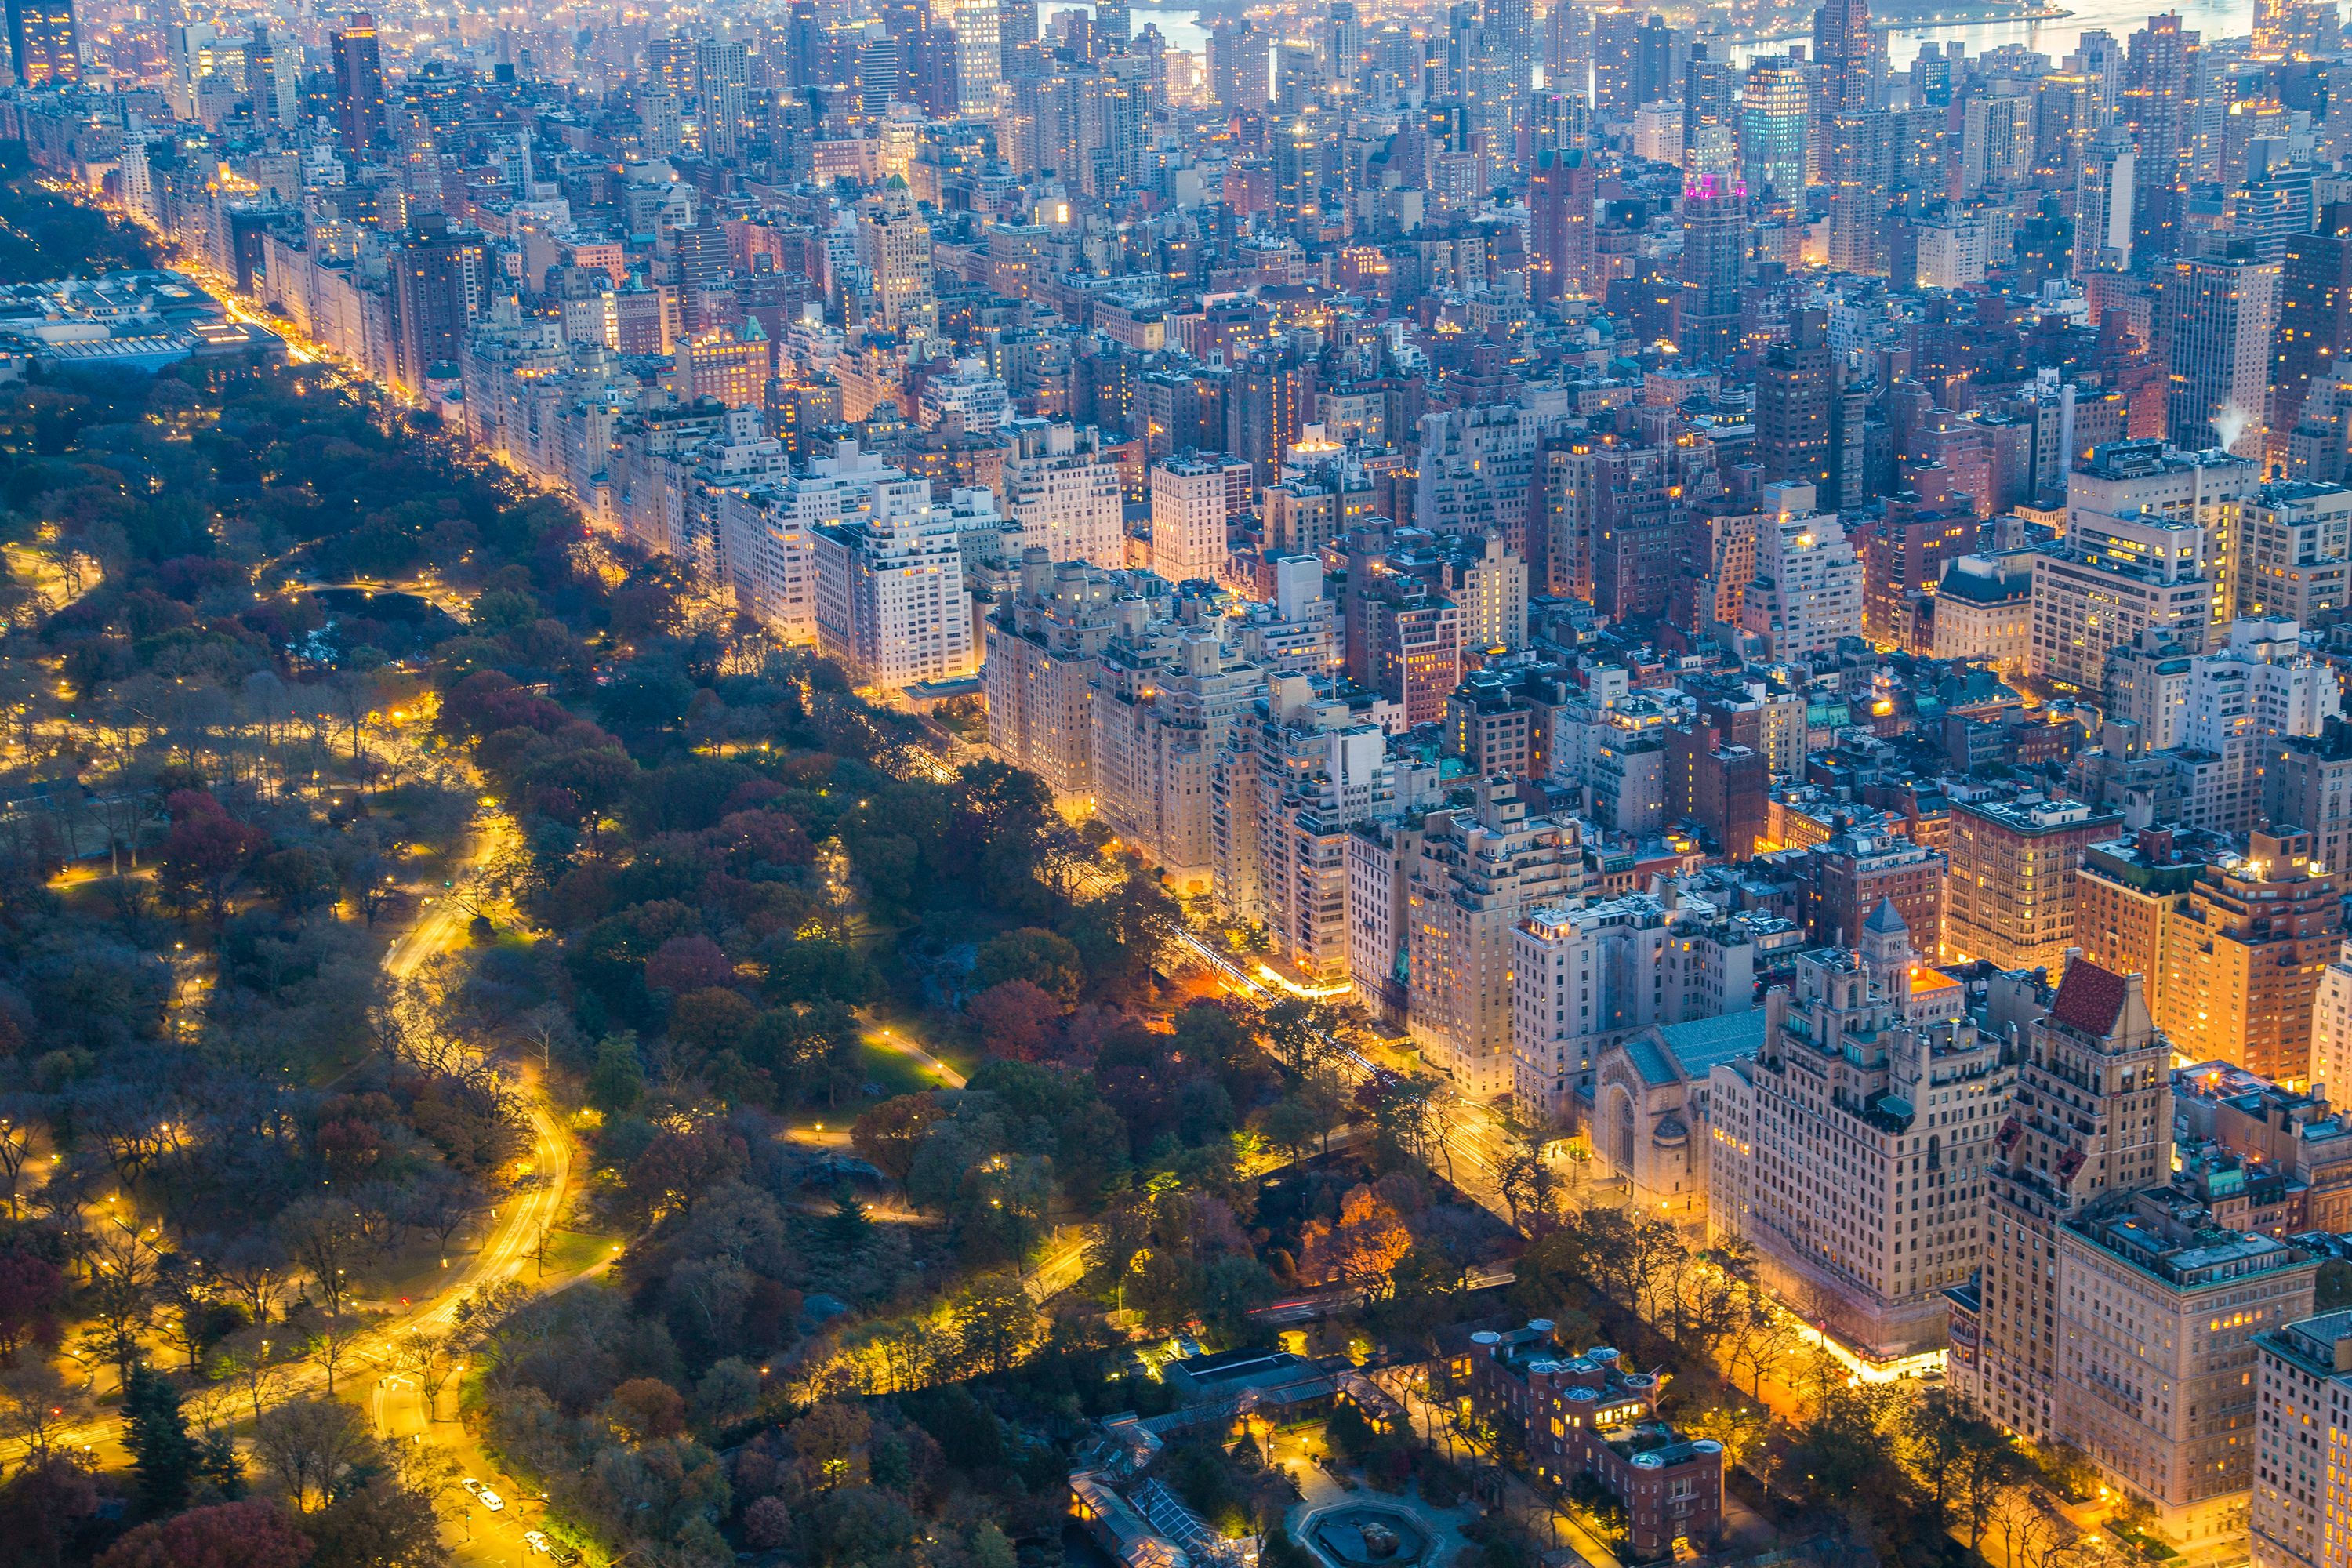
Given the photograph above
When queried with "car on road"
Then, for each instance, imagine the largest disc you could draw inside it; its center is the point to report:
(538, 1542)
(492, 1500)
(471, 1485)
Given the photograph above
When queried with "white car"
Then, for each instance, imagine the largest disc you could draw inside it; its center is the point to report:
(471, 1485)
(492, 1500)
(537, 1542)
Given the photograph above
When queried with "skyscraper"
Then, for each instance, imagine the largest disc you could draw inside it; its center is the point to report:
(1511, 30)
(1345, 46)
(1861, 172)
(359, 84)
(2155, 102)
(1715, 238)
(439, 280)
(880, 71)
(1710, 91)
(1237, 66)
(2215, 326)
(804, 46)
(1772, 114)
(2315, 293)
(1616, 63)
(1793, 403)
(1017, 37)
(1560, 205)
(1853, 58)
(2103, 199)
(41, 42)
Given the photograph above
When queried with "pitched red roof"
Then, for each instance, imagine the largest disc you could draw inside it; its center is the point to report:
(2090, 998)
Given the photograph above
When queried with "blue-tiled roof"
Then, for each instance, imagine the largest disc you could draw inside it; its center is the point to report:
(1696, 1045)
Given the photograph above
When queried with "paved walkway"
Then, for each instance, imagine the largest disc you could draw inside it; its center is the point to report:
(1321, 1490)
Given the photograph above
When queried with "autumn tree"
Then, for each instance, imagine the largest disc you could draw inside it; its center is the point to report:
(205, 851)
(1362, 1247)
(252, 1533)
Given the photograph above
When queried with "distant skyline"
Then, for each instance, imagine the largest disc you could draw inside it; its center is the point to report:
(2213, 18)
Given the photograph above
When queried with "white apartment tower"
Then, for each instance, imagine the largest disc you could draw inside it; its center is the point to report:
(890, 590)
(1190, 500)
(1063, 493)
(1476, 874)
(1807, 592)
(1586, 975)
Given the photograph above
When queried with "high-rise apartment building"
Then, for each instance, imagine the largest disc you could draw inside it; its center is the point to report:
(1475, 873)
(890, 602)
(1560, 205)
(2103, 200)
(1163, 711)
(2295, 551)
(1191, 498)
(2149, 544)
(2303, 1428)
(2315, 295)
(2307, 786)
(2158, 1307)
(2011, 899)
(1794, 388)
(2090, 1119)
(1062, 492)
(359, 84)
(1044, 641)
(1300, 769)
(1238, 57)
(1807, 592)
(1587, 975)
(439, 282)
(1850, 1153)
(2216, 326)
(42, 45)
(2124, 893)
(2331, 1025)
(2160, 74)
(2243, 951)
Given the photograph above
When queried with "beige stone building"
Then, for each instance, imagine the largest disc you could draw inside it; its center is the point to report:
(1850, 1151)
(2301, 1509)
(2090, 1118)
(1476, 871)
(1650, 1117)
(2010, 897)
(2158, 1311)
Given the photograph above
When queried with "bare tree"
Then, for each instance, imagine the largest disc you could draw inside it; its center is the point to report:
(36, 1408)
(20, 1118)
(255, 1365)
(310, 1444)
(431, 1356)
(331, 1339)
(250, 1266)
(326, 1236)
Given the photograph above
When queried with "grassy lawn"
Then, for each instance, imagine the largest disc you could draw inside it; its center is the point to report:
(896, 1074)
(570, 1251)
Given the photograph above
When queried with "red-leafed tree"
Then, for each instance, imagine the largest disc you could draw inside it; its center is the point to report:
(254, 1533)
(205, 851)
(30, 1289)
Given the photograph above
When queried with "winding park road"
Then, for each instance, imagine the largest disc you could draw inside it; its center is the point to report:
(507, 1249)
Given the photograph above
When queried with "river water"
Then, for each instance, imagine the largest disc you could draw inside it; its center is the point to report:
(2213, 18)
